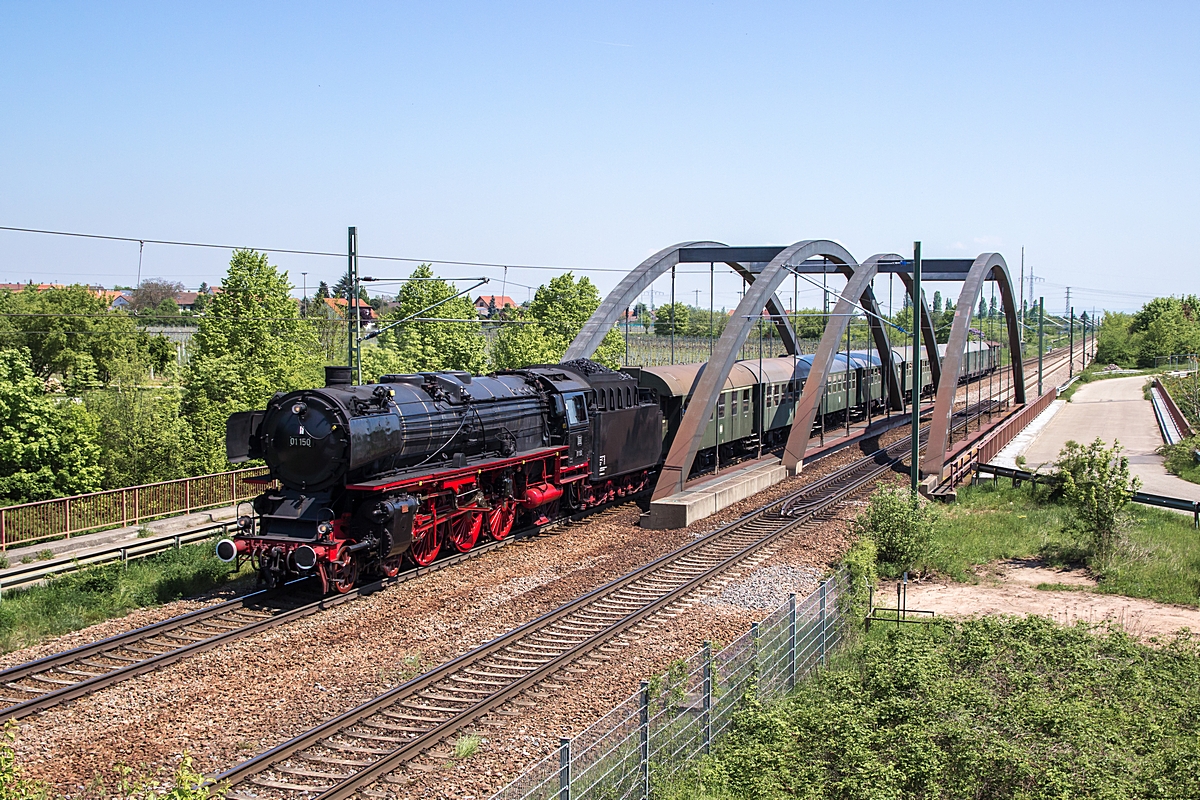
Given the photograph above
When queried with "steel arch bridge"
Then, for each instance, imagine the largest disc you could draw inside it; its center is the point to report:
(764, 268)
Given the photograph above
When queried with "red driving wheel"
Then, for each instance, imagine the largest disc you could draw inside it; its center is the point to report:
(464, 530)
(427, 540)
(343, 573)
(390, 567)
(500, 519)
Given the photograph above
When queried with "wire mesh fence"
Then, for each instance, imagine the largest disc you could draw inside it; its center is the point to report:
(676, 717)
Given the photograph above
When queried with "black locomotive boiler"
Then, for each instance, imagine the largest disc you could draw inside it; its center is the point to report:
(362, 476)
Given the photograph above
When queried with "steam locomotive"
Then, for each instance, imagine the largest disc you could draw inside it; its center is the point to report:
(363, 477)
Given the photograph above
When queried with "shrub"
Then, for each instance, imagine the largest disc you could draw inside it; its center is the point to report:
(901, 525)
(1096, 483)
(860, 562)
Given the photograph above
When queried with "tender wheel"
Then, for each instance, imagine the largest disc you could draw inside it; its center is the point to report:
(390, 567)
(424, 550)
(500, 520)
(464, 530)
(343, 574)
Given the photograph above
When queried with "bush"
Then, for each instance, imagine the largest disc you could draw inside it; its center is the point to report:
(860, 563)
(987, 708)
(1182, 460)
(901, 526)
(1096, 483)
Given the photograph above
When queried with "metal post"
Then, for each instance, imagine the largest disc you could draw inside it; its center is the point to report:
(710, 310)
(564, 769)
(916, 373)
(821, 618)
(351, 253)
(644, 740)
(754, 655)
(1071, 347)
(627, 336)
(1041, 338)
(672, 313)
(708, 691)
(792, 640)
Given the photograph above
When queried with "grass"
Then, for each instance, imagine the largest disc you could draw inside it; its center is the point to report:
(466, 746)
(1180, 459)
(92, 595)
(1161, 559)
(993, 707)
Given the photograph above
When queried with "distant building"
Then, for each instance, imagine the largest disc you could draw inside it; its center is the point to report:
(486, 303)
(338, 306)
(186, 300)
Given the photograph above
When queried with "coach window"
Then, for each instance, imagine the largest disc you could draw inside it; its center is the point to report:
(721, 407)
(745, 401)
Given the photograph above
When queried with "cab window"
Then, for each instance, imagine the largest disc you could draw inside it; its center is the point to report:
(576, 409)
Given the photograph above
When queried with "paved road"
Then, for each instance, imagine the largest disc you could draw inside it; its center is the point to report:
(1113, 408)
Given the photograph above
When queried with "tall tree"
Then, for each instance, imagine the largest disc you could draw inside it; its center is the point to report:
(250, 344)
(557, 313)
(152, 292)
(47, 444)
(69, 332)
(673, 316)
(420, 346)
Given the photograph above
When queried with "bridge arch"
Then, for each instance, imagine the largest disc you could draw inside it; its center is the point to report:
(626, 292)
(678, 463)
(988, 266)
(857, 292)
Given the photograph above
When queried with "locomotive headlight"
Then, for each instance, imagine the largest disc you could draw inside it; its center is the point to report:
(299, 409)
(244, 523)
(325, 528)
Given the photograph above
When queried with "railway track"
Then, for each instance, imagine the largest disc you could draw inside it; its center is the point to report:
(55, 679)
(344, 756)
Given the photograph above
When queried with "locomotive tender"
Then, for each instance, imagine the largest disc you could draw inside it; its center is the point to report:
(362, 477)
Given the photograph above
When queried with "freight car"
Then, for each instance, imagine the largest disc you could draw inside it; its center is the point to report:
(363, 477)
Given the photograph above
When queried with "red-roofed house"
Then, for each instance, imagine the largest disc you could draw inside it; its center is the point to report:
(486, 302)
(338, 305)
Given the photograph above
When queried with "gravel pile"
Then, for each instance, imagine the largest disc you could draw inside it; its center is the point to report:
(768, 588)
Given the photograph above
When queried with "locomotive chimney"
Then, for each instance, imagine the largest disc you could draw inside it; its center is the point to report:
(337, 376)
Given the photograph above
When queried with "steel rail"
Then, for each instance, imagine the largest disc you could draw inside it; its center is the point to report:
(73, 674)
(529, 654)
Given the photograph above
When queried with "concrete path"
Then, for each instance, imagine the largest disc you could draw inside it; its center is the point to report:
(1113, 408)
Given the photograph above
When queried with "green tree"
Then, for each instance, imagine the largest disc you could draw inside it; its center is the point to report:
(70, 332)
(141, 435)
(557, 313)
(673, 316)
(1116, 343)
(418, 346)
(699, 320)
(250, 345)
(47, 444)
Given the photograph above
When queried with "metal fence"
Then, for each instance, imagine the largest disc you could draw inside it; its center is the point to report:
(658, 732)
(64, 517)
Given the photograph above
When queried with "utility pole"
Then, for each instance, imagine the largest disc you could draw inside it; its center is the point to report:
(351, 294)
(1021, 313)
(1068, 299)
(1041, 335)
(304, 304)
(916, 382)
(1071, 345)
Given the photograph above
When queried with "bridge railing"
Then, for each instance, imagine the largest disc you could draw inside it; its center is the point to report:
(64, 517)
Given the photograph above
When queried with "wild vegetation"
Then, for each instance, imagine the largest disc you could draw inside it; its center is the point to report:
(78, 599)
(1164, 327)
(994, 707)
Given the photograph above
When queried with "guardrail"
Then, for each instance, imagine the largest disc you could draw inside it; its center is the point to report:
(1144, 498)
(995, 440)
(1173, 411)
(28, 574)
(64, 517)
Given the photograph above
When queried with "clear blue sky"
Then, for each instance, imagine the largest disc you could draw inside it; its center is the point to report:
(593, 135)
